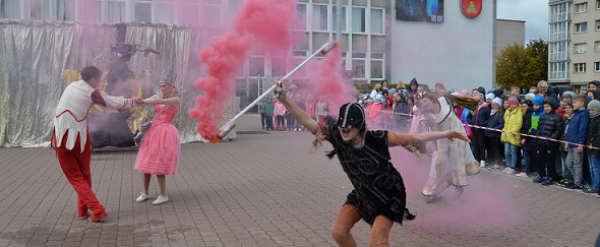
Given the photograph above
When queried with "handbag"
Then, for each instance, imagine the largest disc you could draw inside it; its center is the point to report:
(144, 128)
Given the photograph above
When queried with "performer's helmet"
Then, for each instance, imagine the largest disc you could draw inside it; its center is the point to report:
(168, 78)
(351, 115)
(120, 32)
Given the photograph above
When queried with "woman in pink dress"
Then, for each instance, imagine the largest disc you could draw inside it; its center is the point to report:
(160, 148)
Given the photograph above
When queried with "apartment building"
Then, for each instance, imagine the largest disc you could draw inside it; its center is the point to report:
(574, 42)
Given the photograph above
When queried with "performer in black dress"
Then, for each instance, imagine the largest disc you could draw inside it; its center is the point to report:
(119, 74)
(379, 195)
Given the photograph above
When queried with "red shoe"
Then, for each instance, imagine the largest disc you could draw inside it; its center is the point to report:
(83, 217)
(98, 218)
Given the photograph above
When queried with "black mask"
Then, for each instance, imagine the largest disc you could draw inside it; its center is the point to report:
(351, 116)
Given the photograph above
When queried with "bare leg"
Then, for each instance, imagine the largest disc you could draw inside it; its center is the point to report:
(380, 232)
(344, 222)
(146, 179)
(162, 184)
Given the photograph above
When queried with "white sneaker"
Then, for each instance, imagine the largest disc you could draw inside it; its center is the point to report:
(505, 170)
(482, 164)
(142, 197)
(510, 171)
(160, 200)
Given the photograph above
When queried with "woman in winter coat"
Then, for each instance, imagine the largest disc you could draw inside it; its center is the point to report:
(513, 121)
(496, 122)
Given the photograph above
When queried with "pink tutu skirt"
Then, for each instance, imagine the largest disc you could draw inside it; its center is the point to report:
(159, 151)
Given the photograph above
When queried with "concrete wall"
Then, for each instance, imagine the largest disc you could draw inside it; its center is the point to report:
(458, 52)
(508, 32)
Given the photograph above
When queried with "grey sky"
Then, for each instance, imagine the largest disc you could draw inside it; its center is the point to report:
(533, 12)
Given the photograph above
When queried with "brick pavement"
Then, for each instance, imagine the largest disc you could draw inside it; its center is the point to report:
(263, 189)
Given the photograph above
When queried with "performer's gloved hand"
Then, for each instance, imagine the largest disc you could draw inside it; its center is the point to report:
(280, 88)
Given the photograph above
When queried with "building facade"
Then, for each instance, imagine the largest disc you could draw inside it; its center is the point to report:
(458, 51)
(508, 32)
(574, 42)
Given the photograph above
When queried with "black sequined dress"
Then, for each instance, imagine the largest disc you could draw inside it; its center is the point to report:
(378, 186)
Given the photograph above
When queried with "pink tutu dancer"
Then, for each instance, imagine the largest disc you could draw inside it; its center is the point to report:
(160, 148)
(159, 152)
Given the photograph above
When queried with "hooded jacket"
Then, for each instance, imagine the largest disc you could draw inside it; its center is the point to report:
(595, 82)
(578, 128)
(550, 94)
(481, 90)
(481, 117)
(513, 121)
(527, 120)
(413, 82)
(550, 125)
(596, 94)
(593, 135)
(496, 122)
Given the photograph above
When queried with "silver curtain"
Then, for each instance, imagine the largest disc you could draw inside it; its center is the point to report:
(33, 57)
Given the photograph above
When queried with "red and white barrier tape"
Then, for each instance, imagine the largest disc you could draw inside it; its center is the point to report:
(499, 130)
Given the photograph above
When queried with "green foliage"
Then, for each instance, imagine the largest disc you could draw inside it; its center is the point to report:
(522, 66)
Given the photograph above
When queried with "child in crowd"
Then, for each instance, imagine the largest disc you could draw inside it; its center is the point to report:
(279, 111)
(561, 157)
(300, 103)
(321, 110)
(401, 122)
(310, 107)
(505, 104)
(513, 120)
(593, 140)
(261, 103)
(389, 113)
(496, 122)
(479, 118)
(376, 113)
(550, 125)
(576, 132)
(267, 112)
(529, 97)
(514, 92)
(528, 147)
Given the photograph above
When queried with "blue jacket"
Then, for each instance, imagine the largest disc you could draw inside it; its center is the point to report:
(496, 122)
(481, 118)
(578, 128)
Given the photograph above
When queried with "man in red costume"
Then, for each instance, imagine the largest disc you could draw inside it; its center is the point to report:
(71, 138)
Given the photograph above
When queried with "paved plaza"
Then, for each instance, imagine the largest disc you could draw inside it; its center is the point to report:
(267, 189)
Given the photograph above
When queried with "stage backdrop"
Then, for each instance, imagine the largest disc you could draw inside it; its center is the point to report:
(33, 57)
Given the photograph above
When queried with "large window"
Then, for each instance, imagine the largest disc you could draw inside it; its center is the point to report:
(559, 71)
(359, 61)
(116, 12)
(581, 8)
(278, 66)
(256, 66)
(559, 31)
(301, 12)
(558, 51)
(10, 9)
(579, 68)
(358, 20)
(142, 11)
(40, 10)
(319, 17)
(343, 17)
(581, 48)
(57, 10)
(377, 65)
(190, 13)
(559, 12)
(596, 66)
(581, 27)
(377, 21)
(212, 15)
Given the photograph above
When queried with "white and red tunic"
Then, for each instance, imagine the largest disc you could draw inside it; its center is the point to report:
(73, 108)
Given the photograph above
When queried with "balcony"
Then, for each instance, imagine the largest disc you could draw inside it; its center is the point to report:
(559, 56)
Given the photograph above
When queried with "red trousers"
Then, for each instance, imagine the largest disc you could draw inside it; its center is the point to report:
(76, 166)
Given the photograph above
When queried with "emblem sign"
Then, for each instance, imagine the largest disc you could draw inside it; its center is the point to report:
(471, 8)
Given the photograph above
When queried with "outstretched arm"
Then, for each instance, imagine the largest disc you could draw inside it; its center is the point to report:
(401, 139)
(154, 100)
(296, 112)
(469, 98)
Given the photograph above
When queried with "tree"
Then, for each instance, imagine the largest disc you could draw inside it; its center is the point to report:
(538, 49)
(522, 66)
